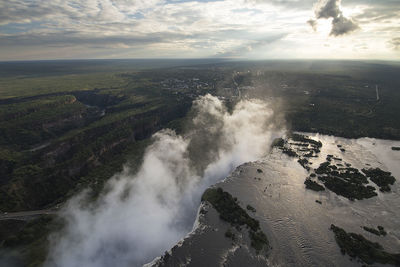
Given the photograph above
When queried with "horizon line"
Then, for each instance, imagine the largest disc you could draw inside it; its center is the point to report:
(203, 58)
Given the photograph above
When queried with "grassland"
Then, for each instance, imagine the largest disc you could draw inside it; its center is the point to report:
(12, 87)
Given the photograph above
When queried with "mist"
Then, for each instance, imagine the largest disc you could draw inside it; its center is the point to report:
(140, 215)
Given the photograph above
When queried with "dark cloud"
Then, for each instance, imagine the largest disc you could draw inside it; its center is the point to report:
(395, 43)
(342, 25)
(326, 9)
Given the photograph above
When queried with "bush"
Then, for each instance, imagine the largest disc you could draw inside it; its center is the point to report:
(380, 178)
(250, 208)
(230, 211)
(312, 185)
(357, 246)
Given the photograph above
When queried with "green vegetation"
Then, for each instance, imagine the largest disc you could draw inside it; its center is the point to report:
(250, 208)
(290, 152)
(306, 140)
(28, 237)
(330, 97)
(372, 230)
(345, 181)
(379, 232)
(356, 245)
(310, 184)
(304, 162)
(349, 190)
(259, 240)
(230, 211)
(380, 178)
(382, 230)
(22, 87)
(69, 125)
(63, 132)
(278, 142)
(318, 201)
(300, 146)
(230, 234)
(395, 148)
(304, 148)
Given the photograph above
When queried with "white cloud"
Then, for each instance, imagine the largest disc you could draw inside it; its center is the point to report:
(185, 29)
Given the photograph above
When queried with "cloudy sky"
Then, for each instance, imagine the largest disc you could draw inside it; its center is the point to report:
(70, 29)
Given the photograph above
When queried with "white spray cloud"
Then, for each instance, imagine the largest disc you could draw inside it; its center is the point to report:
(141, 215)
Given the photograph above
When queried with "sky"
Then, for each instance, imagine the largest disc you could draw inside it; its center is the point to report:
(247, 29)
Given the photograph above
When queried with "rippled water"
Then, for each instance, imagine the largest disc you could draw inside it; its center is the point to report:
(297, 226)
